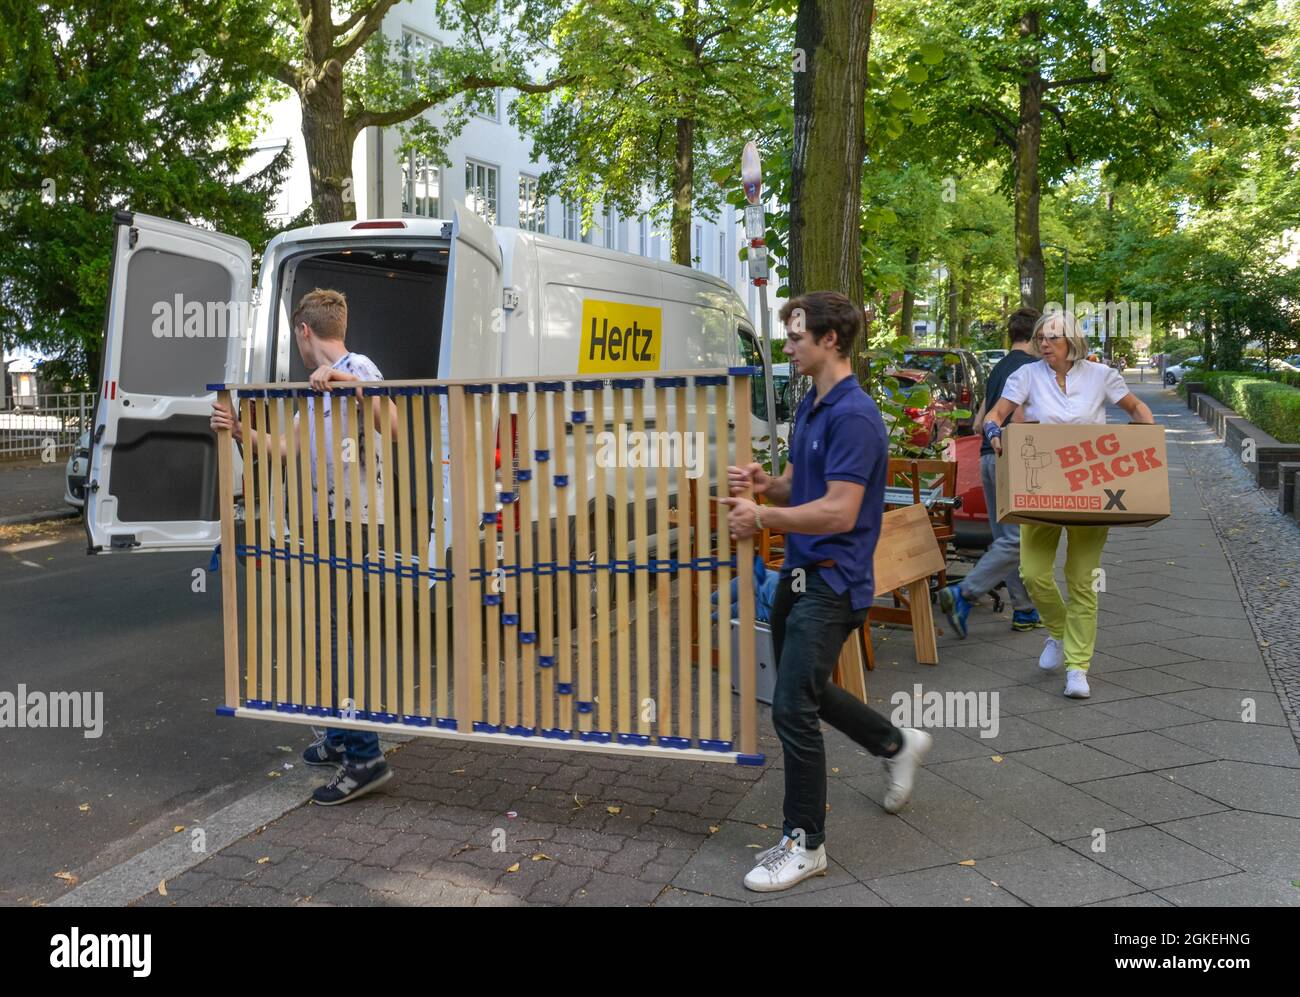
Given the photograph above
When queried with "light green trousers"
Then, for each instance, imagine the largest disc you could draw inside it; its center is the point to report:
(1073, 623)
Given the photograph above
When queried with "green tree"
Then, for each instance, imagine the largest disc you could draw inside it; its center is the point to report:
(662, 97)
(113, 105)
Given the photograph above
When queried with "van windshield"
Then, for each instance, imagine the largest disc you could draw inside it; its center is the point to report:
(395, 305)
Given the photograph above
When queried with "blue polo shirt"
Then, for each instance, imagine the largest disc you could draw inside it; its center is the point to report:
(841, 438)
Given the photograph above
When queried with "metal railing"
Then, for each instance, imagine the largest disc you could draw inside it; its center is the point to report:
(44, 425)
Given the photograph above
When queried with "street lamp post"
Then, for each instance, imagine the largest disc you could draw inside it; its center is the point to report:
(751, 177)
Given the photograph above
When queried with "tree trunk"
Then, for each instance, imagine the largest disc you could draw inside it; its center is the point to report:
(952, 308)
(1029, 249)
(909, 293)
(329, 143)
(829, 146)
(683, 191)
(967, 297)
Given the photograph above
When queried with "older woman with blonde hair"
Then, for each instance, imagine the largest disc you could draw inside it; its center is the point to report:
(1063, 387)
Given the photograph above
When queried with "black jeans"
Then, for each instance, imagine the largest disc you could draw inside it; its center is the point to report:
(808, 631)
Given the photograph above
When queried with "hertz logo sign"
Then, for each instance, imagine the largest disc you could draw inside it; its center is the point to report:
(618, 338)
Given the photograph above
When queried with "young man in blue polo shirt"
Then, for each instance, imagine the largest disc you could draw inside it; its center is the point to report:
(829, 503)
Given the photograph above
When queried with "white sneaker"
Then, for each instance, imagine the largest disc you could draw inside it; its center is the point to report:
(785, 865)
(1076, 684)
(901, 768)
(1053, 656)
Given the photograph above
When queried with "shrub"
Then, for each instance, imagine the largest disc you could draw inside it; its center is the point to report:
(1271, 405)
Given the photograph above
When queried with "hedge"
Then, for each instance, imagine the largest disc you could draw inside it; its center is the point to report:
(1272, 406)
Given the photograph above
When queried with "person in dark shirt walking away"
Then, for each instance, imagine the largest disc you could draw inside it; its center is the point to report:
(1001, 562)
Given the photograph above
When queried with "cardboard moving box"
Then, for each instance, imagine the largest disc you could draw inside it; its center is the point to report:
(1111, 475)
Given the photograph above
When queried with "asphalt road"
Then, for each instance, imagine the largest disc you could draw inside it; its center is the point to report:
(129, 626)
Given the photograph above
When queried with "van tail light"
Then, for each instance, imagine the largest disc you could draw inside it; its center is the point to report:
(965, 396)
(394, 224)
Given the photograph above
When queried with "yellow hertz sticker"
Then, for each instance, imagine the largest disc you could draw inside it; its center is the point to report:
(617, 337)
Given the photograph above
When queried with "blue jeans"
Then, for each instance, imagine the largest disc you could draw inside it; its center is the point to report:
(1001, 562)
(357, 745)
(808, 631)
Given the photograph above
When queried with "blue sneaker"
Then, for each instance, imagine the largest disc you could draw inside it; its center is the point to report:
(321, 752)
(1026, 619)
(353, 779)
(955, 607)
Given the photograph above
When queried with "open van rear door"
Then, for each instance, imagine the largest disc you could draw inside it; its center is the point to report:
(177, 320)
(471, 346)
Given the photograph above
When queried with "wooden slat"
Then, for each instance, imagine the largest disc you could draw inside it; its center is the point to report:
(385, 466)
(251, 499)
(489, 441)
(703, 548)
(603, 717)
(747, 664)
(404, 502)
(644, 705)
(423, 543)
(722, 458)
(682, 726)
(547, 520)
(342, 578)
(562, 638)
(229, 563)
(309, 616)
(622, 598)
(442, 623)
(293, 486)
(582, 553)
(509, 588)
(354, 411)
(468, 687)
(279, 573)
(323, 466)
(528, 520)
(366, 420)
(663, 592)
(266, 563)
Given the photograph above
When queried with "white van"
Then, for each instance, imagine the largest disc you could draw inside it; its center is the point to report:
(426, 299)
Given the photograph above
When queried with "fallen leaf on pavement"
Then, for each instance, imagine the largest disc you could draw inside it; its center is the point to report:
(713, 828)
(67, 877)
(178, 828)
(273, 775)
(264, 859)
(966, 862)
(542, 857)
(84, 808)
(162, 887)
(997, 758)
(614, 810)
(513, 868)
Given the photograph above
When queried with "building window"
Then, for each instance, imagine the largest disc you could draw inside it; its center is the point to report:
(481, 190)
(572, 221)
(415, 47)
(485, 103)
(421, 187)
(611, 229)
(532, 207)
(722, 253)
(643, 236)
(697, 248)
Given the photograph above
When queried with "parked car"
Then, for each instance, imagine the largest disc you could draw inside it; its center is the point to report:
(970, 518)
(1257, 364)
(960, 372)
(991, 357)
(934, 418)
(74, 488)
(1178, 371)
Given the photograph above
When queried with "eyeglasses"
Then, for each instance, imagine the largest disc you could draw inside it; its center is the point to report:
(1047, 339)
